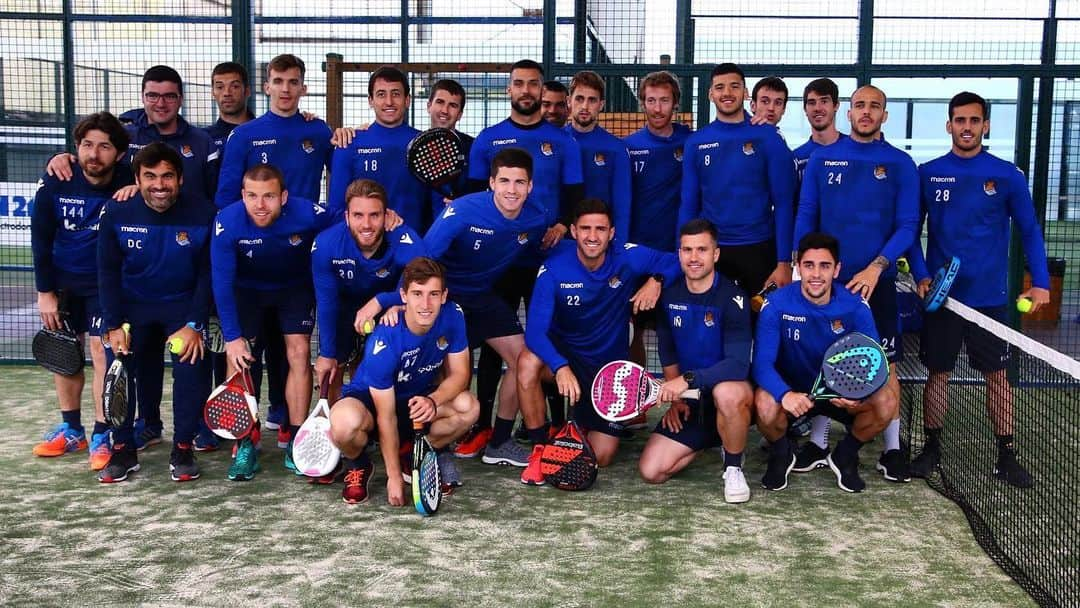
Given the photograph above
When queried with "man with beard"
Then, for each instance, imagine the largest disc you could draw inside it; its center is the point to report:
(821, 100)
(553, 106)
(63, 236)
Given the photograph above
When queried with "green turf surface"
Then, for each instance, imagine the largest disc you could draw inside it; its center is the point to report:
(275, 541)
(15, 255)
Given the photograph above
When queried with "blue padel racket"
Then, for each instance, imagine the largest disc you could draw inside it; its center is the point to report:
(940, 286)
(854, 367)
(426, 476)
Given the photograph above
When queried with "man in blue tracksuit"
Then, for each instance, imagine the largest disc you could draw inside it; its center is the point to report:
(969, 197)
(153, 255)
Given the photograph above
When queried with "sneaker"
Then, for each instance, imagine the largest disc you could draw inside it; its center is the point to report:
(780, 465)
(521, 433)
(473, 443)
(735, 488)
(451, 477)
(1009, 469)
(182, 465)
(405, 458)
(289, 464)
(810, 456)
(532, 475)
(893, 466)
(205, 441)
(275, 415)
(847, 474)
(61, 440)
(283, 437)
(800, 427)
(246, 462)
(357, 479)
(146, 436)
(124, 460)
(509, 452)
(327, 479)
(637, 423)
(924, 465)
(100, 451)
(256, 440)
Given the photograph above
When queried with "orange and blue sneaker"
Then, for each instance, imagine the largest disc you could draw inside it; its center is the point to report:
(100, 451)
(62, 439)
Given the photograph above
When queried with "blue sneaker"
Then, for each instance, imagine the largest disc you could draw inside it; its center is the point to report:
(62, 439)
(205, 441)
(289, 464)
(145, 436)
(275, 415)
(100, 451)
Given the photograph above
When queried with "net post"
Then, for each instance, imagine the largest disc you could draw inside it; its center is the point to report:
(335, 89)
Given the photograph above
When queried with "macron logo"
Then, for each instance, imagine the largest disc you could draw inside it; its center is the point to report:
(449, 211)
(405, 238)
(738, 301)
(379, 347)
(218, 228)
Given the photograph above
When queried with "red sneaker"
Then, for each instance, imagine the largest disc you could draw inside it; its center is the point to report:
(356, 484)
(473, 443)
(532, 476)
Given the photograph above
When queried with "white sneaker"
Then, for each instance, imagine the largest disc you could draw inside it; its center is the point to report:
(735, 488)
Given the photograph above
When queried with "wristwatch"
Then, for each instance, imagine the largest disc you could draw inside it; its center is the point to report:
(689, 377)
(659, 277)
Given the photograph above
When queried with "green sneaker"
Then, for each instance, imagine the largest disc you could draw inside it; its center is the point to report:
(246, 462)
(289, 464)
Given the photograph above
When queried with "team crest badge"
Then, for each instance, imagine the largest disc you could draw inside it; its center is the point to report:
(879, 172)
(545, 148)
(709, 320)
(382, 273)
(295, 240)
(614, 282)
(837, 326)
(441, 343)
(182, 238)
(523, 238)
(678, 154)
(599, 160)
(748, 148)
(307, 146)
(989, 187)
(185, 150)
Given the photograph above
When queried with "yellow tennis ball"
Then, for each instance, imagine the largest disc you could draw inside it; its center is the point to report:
(369, 326)
(176, 345)
(1023, 305)
(902, 265)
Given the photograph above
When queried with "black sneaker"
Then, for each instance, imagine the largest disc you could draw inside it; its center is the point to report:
(182, 465)
(124, 460)
(521, 433)
(1009, 469)
(926, 462)
(893, 466)
(847, 474)
(810, 456)
(776, 475)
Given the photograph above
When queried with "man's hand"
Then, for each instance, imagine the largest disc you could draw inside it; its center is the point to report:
(343, 136)
(49, 309)
(309, 116)
(119, 339)
(864, 282)
(125, 193)
(759, 119)
(847, 404)
(366, 315)
(781, 275)
(193, 344)
(553, 236)
(923, 288)
(646, 297)
(1038, 296)
(567, 383)
(238, 353)
(393, 220)
(672, 390)
(796, 404)
(60, 166)
(395, 491)
(390, 317)
(422, 409)
(325, 369)
(674, 417)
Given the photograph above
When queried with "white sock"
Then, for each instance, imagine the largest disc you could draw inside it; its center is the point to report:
(892, 436)
(819, 431)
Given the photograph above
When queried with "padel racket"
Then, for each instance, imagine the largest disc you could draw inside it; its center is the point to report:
(59, 350)
(359, 340)
(854, 367)
(624, 389)
(114, 396)
(231, 411)
(214, 339)
(940, 286)
(314, 453)
(436, 157)
(568, 461)
(426, 477)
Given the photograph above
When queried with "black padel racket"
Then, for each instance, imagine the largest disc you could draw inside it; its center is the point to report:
(568, 461)
(854, 367)
(436, 157)
(426, 476)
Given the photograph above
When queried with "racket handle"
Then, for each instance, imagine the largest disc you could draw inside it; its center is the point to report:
(691, 393)
(417, 425)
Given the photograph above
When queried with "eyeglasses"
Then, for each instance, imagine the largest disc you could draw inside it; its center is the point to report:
(155, 97)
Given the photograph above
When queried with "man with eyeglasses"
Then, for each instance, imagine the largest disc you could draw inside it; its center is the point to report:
(160, 121)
